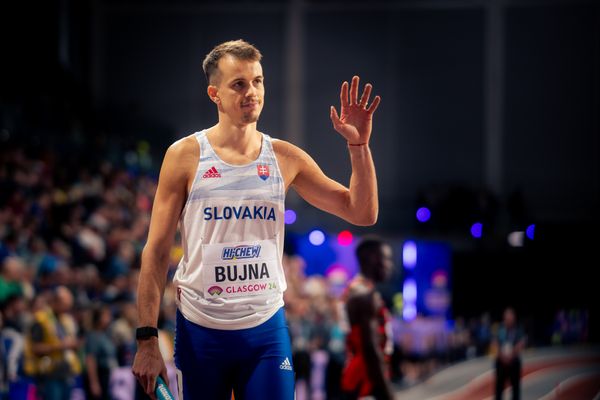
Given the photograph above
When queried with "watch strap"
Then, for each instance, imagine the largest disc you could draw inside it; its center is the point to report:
(146, 332)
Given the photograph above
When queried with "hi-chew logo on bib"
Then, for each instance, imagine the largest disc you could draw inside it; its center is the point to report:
(240, 252)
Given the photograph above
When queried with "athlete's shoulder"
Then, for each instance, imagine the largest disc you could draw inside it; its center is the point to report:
(288, 150)
(358, 286)
(181, 158)
(186, 146)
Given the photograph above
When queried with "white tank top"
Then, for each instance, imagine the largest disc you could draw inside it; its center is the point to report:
(232, 230)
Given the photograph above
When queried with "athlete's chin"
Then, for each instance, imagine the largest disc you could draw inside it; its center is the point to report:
(250, 117)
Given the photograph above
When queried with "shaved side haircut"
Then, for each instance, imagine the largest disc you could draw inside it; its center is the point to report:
(239, 49)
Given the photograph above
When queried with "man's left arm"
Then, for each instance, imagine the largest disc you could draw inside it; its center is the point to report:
(358, 203)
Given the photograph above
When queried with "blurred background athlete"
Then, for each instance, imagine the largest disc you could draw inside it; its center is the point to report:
(369, 342)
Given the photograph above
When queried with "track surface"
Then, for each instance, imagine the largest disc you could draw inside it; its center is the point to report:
(555, 373)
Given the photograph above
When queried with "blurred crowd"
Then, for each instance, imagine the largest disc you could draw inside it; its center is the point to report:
(70, 246)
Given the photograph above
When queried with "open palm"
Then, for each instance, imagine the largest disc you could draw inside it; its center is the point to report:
(355, 121)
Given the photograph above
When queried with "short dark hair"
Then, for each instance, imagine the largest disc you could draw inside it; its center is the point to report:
(365, 248)
(238, 48)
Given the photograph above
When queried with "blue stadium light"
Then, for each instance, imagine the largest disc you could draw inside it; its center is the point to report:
(409, 255)
(289, 217)
(477, 230)
(423, 214)
(409, 291)
(409, 312)
(316, 237)
(530, 231)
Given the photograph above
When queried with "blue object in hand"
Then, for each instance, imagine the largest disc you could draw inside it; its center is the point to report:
(162, 390)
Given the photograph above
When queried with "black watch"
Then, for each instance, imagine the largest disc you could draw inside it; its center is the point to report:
(145, 332)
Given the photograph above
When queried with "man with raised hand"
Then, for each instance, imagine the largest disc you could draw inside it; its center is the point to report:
(226, 187)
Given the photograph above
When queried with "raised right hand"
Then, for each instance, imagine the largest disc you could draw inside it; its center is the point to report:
(355, 120)
(148, 365)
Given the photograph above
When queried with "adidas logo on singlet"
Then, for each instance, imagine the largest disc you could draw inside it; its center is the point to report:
(286, 364)
(212, 173)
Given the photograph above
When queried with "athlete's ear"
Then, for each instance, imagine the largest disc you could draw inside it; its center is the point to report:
(213, 93)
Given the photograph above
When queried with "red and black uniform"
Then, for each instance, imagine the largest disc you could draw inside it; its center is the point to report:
(355, 377)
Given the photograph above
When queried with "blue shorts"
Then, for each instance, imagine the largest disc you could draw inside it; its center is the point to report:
(256, 362)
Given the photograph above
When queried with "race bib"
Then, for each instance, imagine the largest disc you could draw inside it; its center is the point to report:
(240, 269)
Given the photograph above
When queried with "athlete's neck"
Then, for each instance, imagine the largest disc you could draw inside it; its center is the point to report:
(237, 137)
(235, 144)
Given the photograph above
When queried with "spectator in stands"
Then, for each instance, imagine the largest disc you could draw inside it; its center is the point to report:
(51, 347)
(14, 314)
(510, 341)
(3, 362)
(10, 278)
(123, 333)
(336, 349)
(483, 334)
(100, 355)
